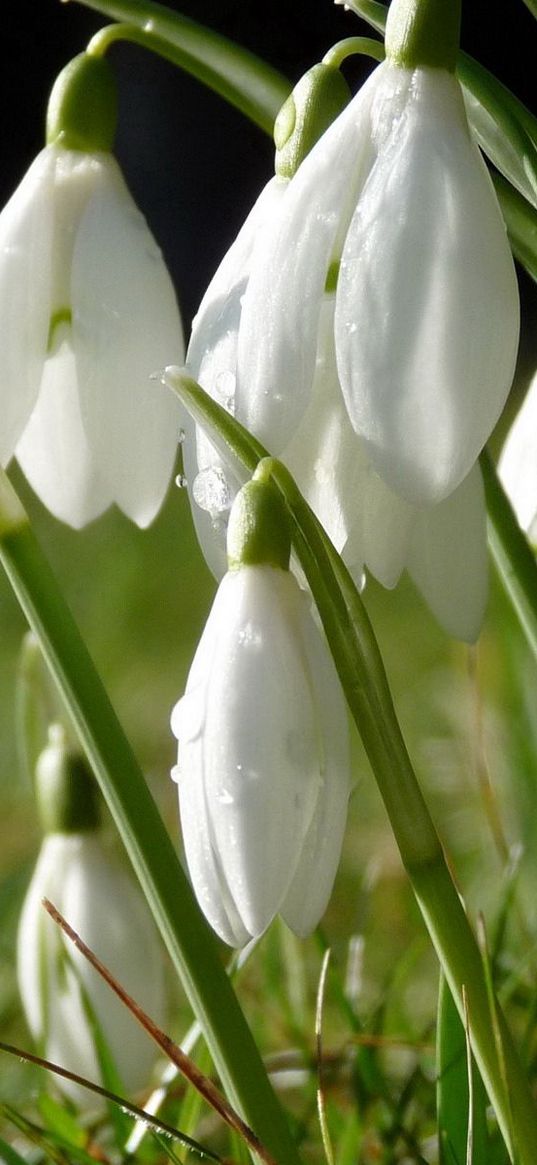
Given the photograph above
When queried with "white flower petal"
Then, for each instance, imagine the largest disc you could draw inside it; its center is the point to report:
(427, 304)
(212, 361)
(103, 905)
(277, 338)
(253, 742)
(53, 451)
(310, 889)
(26, 228)
(448, 558)
(126, 327)
(324, 453)
(387, 526)
(517, 466)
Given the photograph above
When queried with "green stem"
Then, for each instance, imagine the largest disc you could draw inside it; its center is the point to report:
(241, 78)
(351, 46)
(190, 943)
(359, 663)
(513, 557)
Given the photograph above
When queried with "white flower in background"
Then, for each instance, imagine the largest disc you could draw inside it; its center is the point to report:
(101, 902)
(426, 315)
(87, 313)
(263, 768)
(517, 466)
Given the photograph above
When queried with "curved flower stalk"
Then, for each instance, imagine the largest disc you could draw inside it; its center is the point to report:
(396, 197)
(517, 466)
(87, 312)
(63, 997)
(264, 767)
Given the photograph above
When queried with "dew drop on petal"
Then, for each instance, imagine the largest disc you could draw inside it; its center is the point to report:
(181, 480)
(224, 390)
(211, 491)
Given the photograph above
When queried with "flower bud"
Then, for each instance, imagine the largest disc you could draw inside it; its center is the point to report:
(263, 767)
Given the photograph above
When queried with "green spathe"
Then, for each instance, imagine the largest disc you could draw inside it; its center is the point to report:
(315, 102)
(258, 530)
(82, 108)
(65, 789)
(423, 32)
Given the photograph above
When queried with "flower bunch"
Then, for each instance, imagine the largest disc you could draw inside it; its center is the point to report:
(374, 330)
(87, 313)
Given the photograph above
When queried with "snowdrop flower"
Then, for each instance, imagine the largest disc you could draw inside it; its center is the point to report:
(263, 769)
(87, 313)
(517, 466)
(104, 906)
(396, 198)
(212, 352)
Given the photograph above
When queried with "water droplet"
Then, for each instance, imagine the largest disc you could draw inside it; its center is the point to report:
(225, 797)
(211, 491)
(181, 436)
(224, 390)
(249, 636)
(149, 26)
(175, 774)
(181, 480)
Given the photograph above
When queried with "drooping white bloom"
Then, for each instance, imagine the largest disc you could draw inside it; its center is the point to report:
(263, 769)
(517, 466)
(87, 313)
(426, 317)
(102, 904)
(212, 360)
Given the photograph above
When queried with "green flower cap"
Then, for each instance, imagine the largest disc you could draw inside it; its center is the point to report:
(259, 531)
(315, 102)
(82, 108)
(423, 32)
(65, 788)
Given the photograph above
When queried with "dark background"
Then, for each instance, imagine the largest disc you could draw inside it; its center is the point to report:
(194, 164)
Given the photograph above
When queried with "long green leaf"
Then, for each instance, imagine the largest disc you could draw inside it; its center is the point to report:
(521, 222)
(245, 81)
(453, 1091)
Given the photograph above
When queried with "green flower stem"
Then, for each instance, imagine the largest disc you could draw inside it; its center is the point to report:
(253, 86)
(513, 557)
(190, 943)
(351, 46)
(363, 678)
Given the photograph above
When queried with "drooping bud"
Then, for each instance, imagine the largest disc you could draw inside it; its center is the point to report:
(315, 102)
(65, 788)
(258, 532)
(82, 108)
(423, 32)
